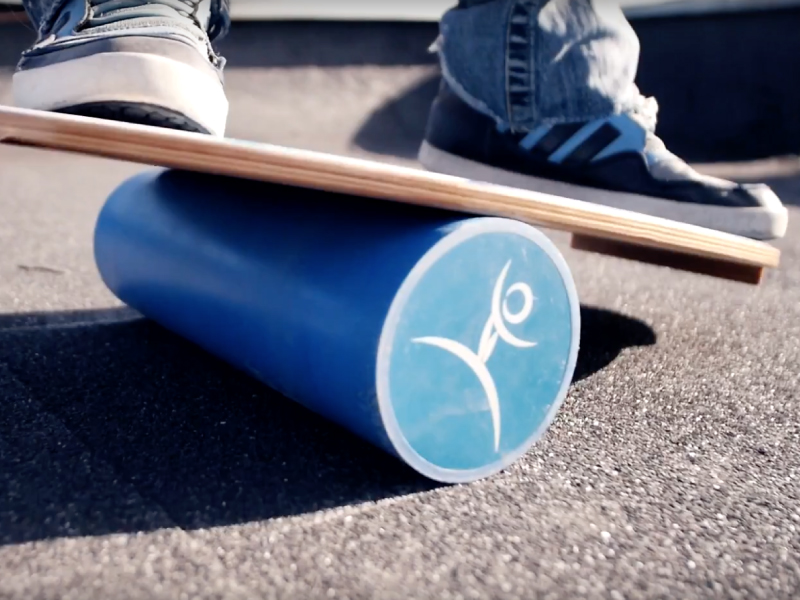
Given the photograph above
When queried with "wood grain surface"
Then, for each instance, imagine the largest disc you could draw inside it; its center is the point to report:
(257, 161)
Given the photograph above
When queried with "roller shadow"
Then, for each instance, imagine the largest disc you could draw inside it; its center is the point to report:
(111, 424)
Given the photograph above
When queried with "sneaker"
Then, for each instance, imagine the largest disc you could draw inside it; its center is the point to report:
(617, 162)
(141, 61)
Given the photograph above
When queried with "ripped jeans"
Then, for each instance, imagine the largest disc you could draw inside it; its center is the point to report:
(523, 62)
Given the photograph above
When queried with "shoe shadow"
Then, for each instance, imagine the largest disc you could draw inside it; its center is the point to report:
(604, 335)
(398, 127)
(735, 103)
(16, 34)
(288, 44)
(111, 424)
(283, 44)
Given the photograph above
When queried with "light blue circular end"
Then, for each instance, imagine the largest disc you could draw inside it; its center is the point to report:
(478, 350)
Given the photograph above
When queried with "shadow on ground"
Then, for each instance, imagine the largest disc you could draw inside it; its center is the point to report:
(398, 127)
(735, 102)
(289, 44)
(15, 37)
(122, 426)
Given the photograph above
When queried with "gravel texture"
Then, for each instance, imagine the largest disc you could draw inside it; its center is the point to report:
(133, 465)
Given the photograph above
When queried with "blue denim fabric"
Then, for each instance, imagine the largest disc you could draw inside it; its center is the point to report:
(523, 62)
(532, 62)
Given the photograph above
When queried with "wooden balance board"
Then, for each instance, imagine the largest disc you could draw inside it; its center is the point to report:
(595, 228)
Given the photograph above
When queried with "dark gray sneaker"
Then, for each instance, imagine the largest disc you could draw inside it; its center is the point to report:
(140, 61)
(617, 162)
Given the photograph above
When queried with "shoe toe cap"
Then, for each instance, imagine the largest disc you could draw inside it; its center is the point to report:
(763, 196)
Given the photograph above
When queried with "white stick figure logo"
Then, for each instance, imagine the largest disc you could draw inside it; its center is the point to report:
(495, 328)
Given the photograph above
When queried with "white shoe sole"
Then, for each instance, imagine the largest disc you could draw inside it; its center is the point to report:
(763, 223)
(125, 77)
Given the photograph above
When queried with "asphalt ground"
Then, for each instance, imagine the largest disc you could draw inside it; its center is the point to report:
(133, 465)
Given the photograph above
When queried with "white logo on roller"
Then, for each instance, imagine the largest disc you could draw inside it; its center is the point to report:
(495, 328)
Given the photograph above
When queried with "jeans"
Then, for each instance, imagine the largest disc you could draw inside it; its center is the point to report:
(522, 62)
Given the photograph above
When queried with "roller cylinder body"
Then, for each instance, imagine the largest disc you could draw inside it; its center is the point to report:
(444, 339)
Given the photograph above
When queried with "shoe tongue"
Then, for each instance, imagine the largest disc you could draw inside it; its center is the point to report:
(203, 13)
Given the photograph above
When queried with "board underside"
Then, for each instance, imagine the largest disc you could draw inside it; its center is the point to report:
(595, 228)
(721, 269)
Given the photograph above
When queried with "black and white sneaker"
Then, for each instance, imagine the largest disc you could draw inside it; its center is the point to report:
(142, 61)
(616, 162)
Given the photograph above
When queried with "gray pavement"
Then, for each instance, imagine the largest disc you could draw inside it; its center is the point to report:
(133, 465)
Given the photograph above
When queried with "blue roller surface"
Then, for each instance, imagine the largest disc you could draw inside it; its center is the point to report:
(446, 340)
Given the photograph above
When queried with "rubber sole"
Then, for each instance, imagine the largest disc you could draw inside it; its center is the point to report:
(138, 114)
(457, 338)
(766, 223)
(126, 86)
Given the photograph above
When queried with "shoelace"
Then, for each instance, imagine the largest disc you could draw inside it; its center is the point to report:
(109, 12)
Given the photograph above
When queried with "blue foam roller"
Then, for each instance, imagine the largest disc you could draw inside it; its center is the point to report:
(445, 339)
